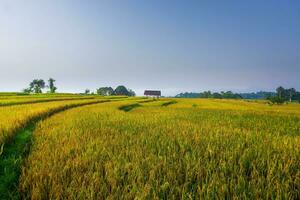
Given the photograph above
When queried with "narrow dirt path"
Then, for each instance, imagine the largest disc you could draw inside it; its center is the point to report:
(13, 154)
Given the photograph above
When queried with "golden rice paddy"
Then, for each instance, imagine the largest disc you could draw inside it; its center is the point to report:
(165, 149)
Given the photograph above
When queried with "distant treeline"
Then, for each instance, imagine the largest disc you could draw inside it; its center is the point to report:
(258, 95)
(37, 85)
(209, 94)
(284, 95)
(281, 95)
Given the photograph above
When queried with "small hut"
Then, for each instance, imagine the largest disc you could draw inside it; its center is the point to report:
(152, 93)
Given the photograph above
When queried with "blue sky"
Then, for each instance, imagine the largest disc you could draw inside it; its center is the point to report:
(174, 46)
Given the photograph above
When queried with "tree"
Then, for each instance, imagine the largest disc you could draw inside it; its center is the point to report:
(87, 91)
(51, 85)
(37, 85)
(280, 92)
(131, 93)
(286, 94)
(292, 92)
(276, 100)
(216, 95)
(297, 96)
(228, 95)
(206, 94)
(105, 91)
(27, 90)
(121, 90)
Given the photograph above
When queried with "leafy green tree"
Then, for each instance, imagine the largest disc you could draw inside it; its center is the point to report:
(27, 90)
(51, 86)
(217, 95)
(228, 95)
(87, 91)
(131, 93)
(287, 94)
(105, 91)
(281, 92)
(276, 100)
(121, 90)
(206, 94)
(297, 96)
(291, 92)
(37, 85)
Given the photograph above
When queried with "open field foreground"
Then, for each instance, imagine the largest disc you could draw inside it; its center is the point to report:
(137, 148)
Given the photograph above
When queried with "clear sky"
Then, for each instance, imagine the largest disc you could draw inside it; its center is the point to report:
(171, 45)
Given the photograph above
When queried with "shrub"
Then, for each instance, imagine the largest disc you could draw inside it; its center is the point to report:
(276, 100)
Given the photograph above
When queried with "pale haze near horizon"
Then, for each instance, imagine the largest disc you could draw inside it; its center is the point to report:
(174, 46)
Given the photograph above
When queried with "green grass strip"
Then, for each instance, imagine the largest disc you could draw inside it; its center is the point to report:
(168, 103)
(127, 108)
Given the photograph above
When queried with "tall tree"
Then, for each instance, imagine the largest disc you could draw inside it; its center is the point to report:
(280, 92)
(87, 91)
(291, 93)
(51, 86)
(121, 90)
(37, 85)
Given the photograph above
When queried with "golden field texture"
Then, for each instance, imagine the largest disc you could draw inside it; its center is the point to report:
(186, 149)
(14, 118)
(15, 96)
(32, 100)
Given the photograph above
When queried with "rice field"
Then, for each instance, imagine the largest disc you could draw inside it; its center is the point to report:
(19, 101)
(16, 117)
(136, 148)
